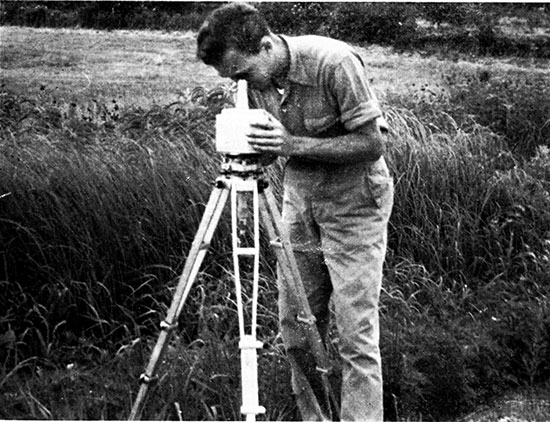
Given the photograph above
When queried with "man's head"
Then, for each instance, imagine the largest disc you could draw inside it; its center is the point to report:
(236, 26)
(236, 40)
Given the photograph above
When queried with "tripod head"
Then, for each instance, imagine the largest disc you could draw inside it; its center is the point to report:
(242, 165)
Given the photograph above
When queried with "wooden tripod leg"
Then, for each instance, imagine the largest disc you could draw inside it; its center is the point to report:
(280, 243)
(200, 245)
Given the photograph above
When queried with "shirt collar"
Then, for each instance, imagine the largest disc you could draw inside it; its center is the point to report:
(297, 72)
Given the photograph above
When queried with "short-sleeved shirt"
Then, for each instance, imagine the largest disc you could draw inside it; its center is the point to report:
(328, 93)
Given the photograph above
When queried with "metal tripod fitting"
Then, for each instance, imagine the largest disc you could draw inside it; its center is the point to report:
(220, 183)
(306, 319)
(165, 325)
(262, 185)
(249, 367)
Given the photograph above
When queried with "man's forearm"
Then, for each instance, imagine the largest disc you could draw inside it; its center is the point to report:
(350, 148)
(269, 136)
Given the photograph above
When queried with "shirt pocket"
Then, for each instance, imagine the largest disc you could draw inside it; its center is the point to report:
(319, 119)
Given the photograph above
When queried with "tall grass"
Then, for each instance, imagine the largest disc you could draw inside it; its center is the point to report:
(98, 207)
(468, 266)
(98, 213)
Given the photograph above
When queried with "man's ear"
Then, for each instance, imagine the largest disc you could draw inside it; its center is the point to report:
(266, 43)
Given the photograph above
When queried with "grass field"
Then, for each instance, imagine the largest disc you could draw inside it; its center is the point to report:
(107, 160)
(140, 67)
(129, 67)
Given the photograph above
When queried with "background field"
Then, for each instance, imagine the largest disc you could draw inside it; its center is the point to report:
(107, 160)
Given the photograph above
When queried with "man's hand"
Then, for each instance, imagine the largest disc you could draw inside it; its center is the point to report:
(267, 135)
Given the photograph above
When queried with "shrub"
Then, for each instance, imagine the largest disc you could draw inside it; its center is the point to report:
(296, 18)
(514, 105)
(106, 15)
(374, 23)
(369, 22)
(451, 13)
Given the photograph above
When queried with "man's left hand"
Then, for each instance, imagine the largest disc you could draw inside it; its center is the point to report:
(269, 136)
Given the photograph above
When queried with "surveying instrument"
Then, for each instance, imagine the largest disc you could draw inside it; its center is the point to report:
(242, 179)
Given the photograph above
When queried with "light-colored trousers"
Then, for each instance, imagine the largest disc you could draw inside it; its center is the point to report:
(337, 219)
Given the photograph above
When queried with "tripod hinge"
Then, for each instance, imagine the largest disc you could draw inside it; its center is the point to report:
(164, 325)
(276, 244)
(146, 379)
(322, 370)
(252, 410)
(262, 185)
(220, 184)
(306, 319)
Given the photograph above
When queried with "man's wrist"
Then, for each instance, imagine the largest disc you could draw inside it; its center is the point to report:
(292, 147)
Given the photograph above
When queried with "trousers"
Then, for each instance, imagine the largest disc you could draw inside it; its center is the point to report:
(337, 217)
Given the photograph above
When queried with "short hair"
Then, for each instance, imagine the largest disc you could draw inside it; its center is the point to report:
(237, 25)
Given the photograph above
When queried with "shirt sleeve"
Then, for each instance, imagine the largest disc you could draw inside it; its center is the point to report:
(357, 102)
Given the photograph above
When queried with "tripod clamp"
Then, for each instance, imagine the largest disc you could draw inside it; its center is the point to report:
(165, 325)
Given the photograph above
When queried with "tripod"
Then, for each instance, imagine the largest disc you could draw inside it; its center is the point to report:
(241, 175)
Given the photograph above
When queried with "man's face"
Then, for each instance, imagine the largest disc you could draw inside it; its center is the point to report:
(255, 68)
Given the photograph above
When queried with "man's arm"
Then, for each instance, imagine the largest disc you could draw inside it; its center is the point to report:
(365, 144)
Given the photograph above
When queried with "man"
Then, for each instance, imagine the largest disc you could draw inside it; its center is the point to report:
(338, 193)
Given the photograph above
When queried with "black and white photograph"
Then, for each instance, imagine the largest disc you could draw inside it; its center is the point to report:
(275, 211)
